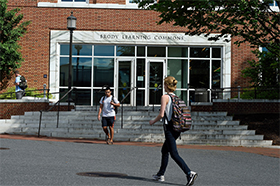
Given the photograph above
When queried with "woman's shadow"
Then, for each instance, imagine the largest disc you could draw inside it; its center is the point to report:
(121, 176)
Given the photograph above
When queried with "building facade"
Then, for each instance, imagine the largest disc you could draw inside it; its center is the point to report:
(119, 45)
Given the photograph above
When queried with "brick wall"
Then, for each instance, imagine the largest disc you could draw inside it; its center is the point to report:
(9, 108)
(249, 107)
(36, 47)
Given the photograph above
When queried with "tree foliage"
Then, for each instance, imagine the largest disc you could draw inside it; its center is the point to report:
(254, 21)
(264, 71)
(11, 30)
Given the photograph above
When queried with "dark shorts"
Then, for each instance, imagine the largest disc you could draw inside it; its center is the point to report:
(20, 94)
(108, 121)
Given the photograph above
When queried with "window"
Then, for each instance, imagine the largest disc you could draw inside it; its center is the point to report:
(273, 4)
(93, 65)
(156, 51)
(132, 1)
(75, 1)
(125, 51)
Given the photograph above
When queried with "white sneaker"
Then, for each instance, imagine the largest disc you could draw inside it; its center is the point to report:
(193, 175)
(158, 178)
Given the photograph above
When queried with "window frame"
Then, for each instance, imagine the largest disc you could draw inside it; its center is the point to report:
(73, 1)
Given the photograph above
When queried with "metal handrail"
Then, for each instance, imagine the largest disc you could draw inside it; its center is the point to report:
(154, 94)
(58, 102)
(122, 104)
(238, 90)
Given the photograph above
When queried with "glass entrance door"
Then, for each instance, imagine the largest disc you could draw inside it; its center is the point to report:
(156, 73)
(125, 81)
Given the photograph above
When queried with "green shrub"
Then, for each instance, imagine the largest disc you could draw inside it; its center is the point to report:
(9, 94)
(32, 92)
(260, 94)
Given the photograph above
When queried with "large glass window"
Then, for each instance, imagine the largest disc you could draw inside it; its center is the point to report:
(156, 52)
(216, 74)
(93, 66)
(125, 50)
(199, 73)
(200, 52)
(216, 52)
(103, 50)
(81, 71)
(81, 96)
(103, 72)
(83, 50)
(140, 51)
(140, 73)
(177, 51)
(64, 71)
(178, 68)
(183, 94)
(124, 80)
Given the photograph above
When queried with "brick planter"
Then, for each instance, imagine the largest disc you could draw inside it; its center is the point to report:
(239, 106)
(18, 107)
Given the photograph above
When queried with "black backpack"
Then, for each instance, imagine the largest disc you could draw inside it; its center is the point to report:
(115, 108)
(22, 83)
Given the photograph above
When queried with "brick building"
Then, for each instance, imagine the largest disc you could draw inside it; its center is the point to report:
(119, 45)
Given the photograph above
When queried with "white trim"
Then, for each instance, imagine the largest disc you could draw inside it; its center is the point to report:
(248, 100)
(102, 5)
(134, 38)
(73, 1)
(86, 5)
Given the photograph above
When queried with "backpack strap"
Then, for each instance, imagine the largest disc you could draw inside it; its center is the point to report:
(102, 99)
(112, 99)
(171, 108)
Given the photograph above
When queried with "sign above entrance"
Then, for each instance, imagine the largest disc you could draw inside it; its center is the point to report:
(134, 38)
(144, 37)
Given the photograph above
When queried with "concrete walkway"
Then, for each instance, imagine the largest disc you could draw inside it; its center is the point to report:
(273, 151)
(28, 160)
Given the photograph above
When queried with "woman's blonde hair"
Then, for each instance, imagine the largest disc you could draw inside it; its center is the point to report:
(171, 83)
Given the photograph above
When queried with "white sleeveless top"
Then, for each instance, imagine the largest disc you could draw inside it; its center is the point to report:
(168, 110)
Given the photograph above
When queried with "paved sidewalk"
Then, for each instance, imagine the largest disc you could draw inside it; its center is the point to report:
(273, 151)
(28, 160)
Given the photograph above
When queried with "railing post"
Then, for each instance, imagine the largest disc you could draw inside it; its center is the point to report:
(255, 92)
(48, 93)
(95, 100)
(40, 123)
(238, 88)
(136, 99)
(122, 117)
(44, 87)
(58, 108)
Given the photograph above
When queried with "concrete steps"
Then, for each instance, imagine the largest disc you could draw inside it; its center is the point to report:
(214, 128)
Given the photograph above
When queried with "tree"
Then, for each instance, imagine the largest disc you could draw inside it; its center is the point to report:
(11, 30)
(265, 71)
(264, 74)
(254, 20)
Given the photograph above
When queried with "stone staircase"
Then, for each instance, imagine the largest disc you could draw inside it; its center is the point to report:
(208, 128)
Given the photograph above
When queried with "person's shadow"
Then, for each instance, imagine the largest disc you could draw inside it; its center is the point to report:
(121, 176)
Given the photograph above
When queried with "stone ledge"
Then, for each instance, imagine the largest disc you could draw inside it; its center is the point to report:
(85, 5)
(247, 100)
(24, 100)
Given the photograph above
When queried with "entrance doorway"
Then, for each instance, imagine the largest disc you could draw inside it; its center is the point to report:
(125, 81)
(147, 77)
(156, 74)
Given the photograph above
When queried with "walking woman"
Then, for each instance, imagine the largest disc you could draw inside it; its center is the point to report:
(169, 146)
